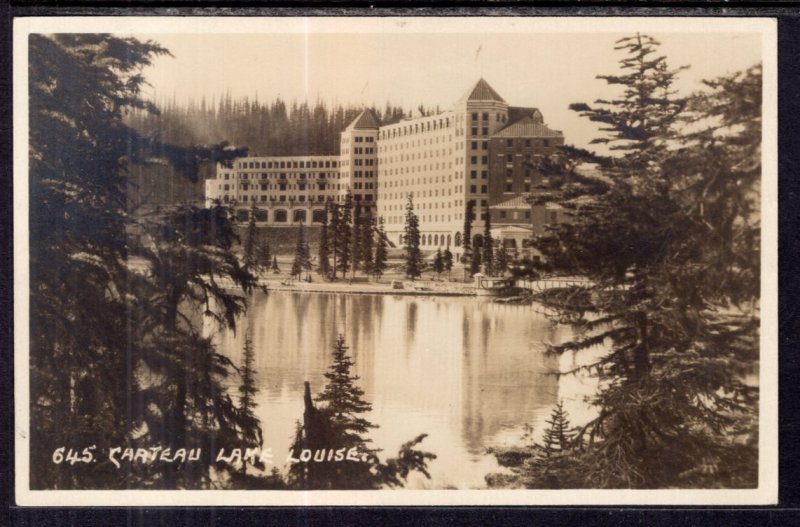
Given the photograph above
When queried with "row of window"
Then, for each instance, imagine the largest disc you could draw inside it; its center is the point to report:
(287, 164)
(281, 186)
(509, 188)
(283, 175)
(388, 147)
(416, 128)
(514, 215)
(527, 142)
(498, 117)
(263, 198)
(425, 154)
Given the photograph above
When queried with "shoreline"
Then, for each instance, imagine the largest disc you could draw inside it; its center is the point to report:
(368, 288)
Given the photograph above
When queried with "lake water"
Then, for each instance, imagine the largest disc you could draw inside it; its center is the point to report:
(470, 373)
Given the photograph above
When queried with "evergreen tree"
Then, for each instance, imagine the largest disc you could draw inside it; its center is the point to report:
(250, 240)
(83, 375)
(381, 252)
(475, 262)
(556, 436)
(345, 235)
(247, 393)
(413, 267)
(501, 260)
(357, 250)
(447, 259)
(488, 245)
(337, 422)
(467, 256)
(302, 260)
(275, 268)
(264, 254)
(438, 263)
(367, 244)
(324, 266)
(668, 239)
(335, 233)
(344, 399)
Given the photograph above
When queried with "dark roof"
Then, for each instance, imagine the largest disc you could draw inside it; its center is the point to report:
(482, 92)
(515, 113)
(366, 120)
(527, 127)
(520, 201)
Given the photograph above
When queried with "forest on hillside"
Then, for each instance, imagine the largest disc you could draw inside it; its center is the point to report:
(273, 128)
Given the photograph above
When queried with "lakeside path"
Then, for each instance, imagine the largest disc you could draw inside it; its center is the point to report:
(430, 288)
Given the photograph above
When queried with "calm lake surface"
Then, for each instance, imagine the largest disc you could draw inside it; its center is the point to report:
(470, 373)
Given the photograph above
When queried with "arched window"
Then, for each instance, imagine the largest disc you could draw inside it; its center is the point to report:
(279, 216)
(436, 240)
(448, 240)
(242, 215)
(430, 240)
(458, 239)
(261, 215)
(318, 216)
(299, 216)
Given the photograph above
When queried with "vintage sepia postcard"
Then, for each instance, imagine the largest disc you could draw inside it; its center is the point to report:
(395, 261)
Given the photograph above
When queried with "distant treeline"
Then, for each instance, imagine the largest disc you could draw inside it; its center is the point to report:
(265, 128)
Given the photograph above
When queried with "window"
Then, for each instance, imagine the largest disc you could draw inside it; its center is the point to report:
(508, 187)
(527, 214)
(502, 214)
(474, 130)
(509, 142)
(473, 159)
(527, 142)
(484, 174)
(527, 187)
(485, 131)
(280, 216)
(473, 174)
(473, 188)
(474, 145)
(474, 116)
(484, 159)
(509, 158)
(546, 142)
(485, 116)
(318, 216)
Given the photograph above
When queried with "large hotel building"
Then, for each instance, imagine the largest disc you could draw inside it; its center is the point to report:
(480, 152)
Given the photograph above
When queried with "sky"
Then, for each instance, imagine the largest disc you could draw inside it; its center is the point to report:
(547, 70)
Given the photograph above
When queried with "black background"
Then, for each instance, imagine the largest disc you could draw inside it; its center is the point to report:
(787, 512)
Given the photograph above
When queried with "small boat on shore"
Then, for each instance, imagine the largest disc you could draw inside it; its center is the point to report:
(491, 286)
